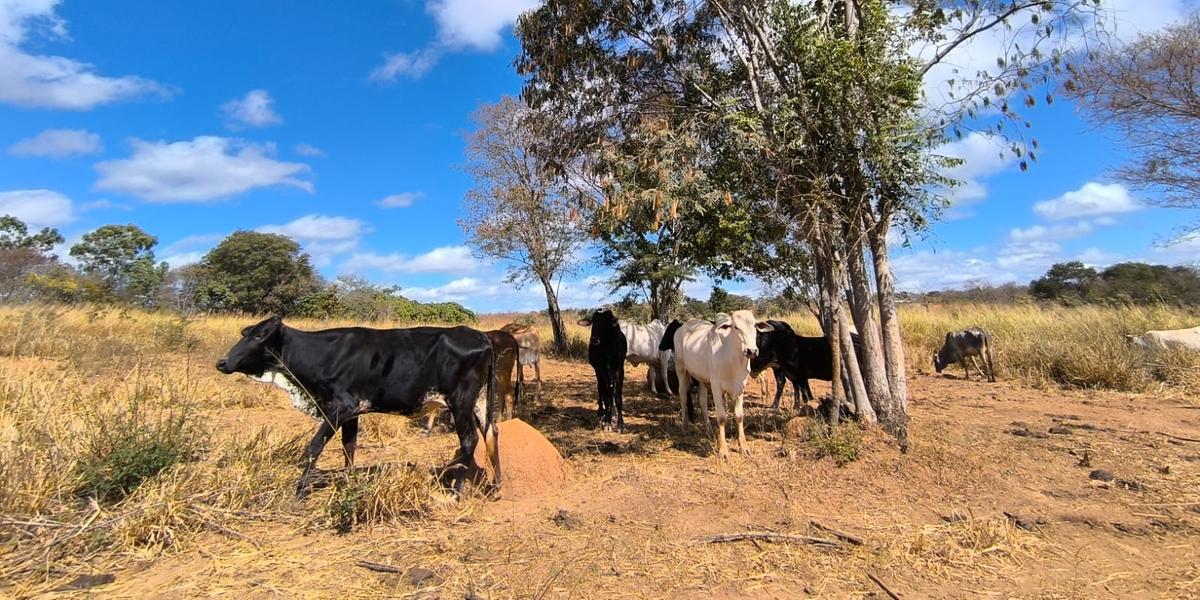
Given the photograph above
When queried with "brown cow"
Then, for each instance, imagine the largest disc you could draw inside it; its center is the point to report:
(531, 351)
(508, 391)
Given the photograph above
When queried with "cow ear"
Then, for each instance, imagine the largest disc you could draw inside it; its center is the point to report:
(764, 326)
(585, 322)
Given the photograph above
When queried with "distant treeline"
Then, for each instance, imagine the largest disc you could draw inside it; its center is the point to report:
(1072, 283)
(247, 272)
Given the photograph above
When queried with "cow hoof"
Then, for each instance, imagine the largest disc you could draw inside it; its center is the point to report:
(723, 454)
(745, 451)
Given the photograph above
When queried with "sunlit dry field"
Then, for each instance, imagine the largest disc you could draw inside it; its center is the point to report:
(988, 502)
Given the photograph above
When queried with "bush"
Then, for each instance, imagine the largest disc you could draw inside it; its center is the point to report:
(385, 494)
(132, 447)
(842, 445)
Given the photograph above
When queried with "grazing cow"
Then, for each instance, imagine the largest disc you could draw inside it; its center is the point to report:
(606, 354)
(1168, 339)
(336, 375)
(642, 343)
(718, 356)
(531, 351)
(509, 391)
(961, 345)
(795, 358)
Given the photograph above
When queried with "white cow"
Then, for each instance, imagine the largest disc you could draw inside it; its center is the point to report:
(641, 343)
(718, 356)
(1169, 339)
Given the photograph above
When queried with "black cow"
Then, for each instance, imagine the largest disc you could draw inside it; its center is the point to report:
(339, 374)
(961, 345)
(795, 358)
(606, 354)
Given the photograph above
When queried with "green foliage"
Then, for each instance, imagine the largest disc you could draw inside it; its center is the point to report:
(721, 301)
(1123, 283)
(64, 284)
(359, 299)
(130, 447)
(843, 445)
(255, 273)
(14, 234)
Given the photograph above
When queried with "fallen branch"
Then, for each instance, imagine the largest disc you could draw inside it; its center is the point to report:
(769, 537)
(378, 567)
(884, 587)
(845, 537)
(1180, 437)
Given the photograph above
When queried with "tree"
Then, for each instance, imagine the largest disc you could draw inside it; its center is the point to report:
(809, 114)
(1149, 93)
(517, 211)
(1069, 281)
(22, 254)
(122, 256)
(254, 273)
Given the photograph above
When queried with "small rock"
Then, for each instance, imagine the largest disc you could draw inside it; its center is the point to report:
(1028, 433)
(1101, 475)
(1165, 469)
(808, 590)
(90, 580)
(419, 575)
(1060, 430)
(1086, 459)
(1131, 485)
(565, 519)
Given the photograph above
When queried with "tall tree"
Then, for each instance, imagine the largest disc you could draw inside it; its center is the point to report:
(518, 211)
(1149, 93)
(22, 253)
(122, 256)
(255, 273)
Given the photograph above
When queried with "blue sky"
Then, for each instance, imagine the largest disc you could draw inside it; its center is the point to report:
(344, 129)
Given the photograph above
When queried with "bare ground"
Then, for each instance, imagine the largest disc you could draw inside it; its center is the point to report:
(972, 510)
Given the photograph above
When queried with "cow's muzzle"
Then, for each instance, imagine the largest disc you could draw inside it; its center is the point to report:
(223, 367)
(751, 353)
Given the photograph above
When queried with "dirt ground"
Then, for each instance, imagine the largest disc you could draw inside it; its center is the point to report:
(972, 510)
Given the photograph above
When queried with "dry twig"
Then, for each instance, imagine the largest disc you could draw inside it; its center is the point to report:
(845, 537)
(378, 567)
(769, 537)
(884, 587)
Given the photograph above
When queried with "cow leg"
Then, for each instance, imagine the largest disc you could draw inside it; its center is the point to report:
(805, 391)
(619, 379)
(703, 416)
(685, 394)
(462, 407)
(311, 453)
(739, 414)
(350, 440)
(779, 380)
(603, 399)
(537, 373)
(719, 400)
(966, 373)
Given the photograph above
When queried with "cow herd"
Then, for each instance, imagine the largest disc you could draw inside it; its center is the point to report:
(337, 375)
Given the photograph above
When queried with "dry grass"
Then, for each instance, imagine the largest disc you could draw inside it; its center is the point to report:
(68, 377)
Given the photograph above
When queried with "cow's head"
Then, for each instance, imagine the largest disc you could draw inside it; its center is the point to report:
(938, 363)
(257, 349)
(742, 323)
(668, 339)
(600, 320)
(774, 346)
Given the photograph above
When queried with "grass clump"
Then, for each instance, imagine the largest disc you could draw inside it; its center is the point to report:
(843, 444)
(130, 447)
(386, 494)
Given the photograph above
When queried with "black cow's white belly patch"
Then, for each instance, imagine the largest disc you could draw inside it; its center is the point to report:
(300, 399)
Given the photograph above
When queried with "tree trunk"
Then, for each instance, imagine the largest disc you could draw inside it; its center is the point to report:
(663, 297)
(895, 419)
(556, 322)
(858, 390)
(831, 324)
(874, 368)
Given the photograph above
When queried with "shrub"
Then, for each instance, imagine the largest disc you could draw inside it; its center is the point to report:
(132, 447)
(385, 494)
(842, 445)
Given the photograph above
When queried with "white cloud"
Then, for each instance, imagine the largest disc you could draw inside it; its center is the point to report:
(462, 25)
(202, 240)
(308, 150)
(203, 169)
(447, 259)
(473, 24)
(58, 82)
(320, 228)
(58, 143)
(401, 200)
(405, 64)
(1093, 199)
(1096, 257)
(982, 156)
(255, 109)
(183, 259)
(37, 208)
(1029, 257)
(1054, 232)
(322, 236)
